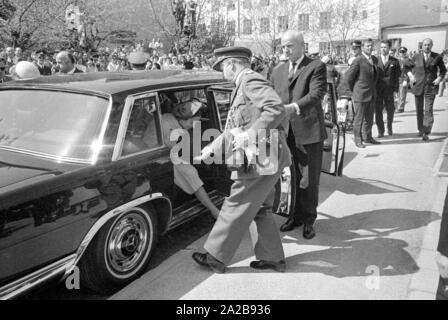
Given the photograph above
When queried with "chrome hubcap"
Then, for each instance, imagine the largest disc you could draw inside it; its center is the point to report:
(127, 243)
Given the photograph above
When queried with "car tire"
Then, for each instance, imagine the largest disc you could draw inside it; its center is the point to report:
(288, 180)
(121, 250)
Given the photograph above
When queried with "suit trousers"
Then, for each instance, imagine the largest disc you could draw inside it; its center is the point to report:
(249, 200)
(307, 199)
(424, 107)
(384, 101)
(402, 93)
(363, 121)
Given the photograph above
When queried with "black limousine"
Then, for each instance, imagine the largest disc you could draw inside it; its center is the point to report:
(73, 195)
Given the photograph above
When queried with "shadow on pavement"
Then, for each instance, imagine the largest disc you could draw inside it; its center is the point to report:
(357, 242)
(362, 186)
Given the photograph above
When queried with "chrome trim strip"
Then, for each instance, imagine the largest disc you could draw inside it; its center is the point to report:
(121, 135)
(30, 281)
(44, 155)
(105, 218)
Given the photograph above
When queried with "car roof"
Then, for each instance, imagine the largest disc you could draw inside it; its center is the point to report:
(119, 82)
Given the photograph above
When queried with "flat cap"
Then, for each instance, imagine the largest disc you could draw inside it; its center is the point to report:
(356, 43)
(403, 49)
(230, 52)
(138, 57)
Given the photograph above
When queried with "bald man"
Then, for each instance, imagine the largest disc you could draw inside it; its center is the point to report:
(303, 82)
(425, 70)
(66, 63)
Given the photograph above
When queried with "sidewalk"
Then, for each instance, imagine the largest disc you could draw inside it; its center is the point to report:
(377, 233)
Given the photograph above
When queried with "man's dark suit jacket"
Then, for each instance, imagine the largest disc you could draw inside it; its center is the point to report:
(388, 76)
(362, 78)
(425, 73)
(307, 88)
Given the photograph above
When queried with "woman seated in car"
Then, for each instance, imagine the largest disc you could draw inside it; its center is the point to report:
(186, 176)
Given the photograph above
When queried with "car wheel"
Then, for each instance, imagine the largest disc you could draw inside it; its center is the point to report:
(285, 192)
(121, 250)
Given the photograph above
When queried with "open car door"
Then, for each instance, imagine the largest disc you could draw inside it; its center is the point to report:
(334, 145)
(219, 97)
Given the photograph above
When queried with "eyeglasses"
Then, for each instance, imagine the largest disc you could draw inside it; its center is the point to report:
(402, 51)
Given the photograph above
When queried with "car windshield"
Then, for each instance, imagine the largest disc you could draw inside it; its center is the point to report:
(63, 125)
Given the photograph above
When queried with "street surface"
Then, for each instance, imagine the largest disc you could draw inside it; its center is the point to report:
(377, 232)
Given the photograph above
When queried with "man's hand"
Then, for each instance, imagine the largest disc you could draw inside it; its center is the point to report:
(442, 264)
(240, 141)
(292, 108)
(205, 154)
(405, 84)
(437, 81)
(412, 79)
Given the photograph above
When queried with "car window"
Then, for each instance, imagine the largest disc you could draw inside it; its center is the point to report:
(143, 128)
(59, 124)
(222, 100)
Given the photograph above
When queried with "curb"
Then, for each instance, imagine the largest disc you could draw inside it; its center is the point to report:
(425, 281)
(443, 157)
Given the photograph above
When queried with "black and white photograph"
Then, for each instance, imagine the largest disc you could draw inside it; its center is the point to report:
(224, 155)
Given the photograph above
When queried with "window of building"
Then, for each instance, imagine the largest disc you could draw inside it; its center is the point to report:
(216, 4)
(264, 25)
(231, 5)
(247, 26)
(264, 3)
(364, 14)
(247, 4)
(283, 23)
(325, 20)
(231, 27)
(304, 22)
(324, 47)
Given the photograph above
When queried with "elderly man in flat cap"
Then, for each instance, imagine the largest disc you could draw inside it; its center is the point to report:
(255, 107)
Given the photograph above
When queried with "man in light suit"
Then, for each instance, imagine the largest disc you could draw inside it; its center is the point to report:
(303, 82)
(389, 74)
(254, 106)
(425, 70)
(362, 78)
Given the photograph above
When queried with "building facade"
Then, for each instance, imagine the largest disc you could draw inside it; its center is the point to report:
(327, 25)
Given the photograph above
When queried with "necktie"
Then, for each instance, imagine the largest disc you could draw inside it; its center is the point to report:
(292, 71)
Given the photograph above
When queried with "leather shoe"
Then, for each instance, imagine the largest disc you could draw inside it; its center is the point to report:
(372, 141)
(360, 144)
(390, 132)
(289, 225)
(380, 135)
(264, 264)
(425, 137)
(308, 231)
(207, 260)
